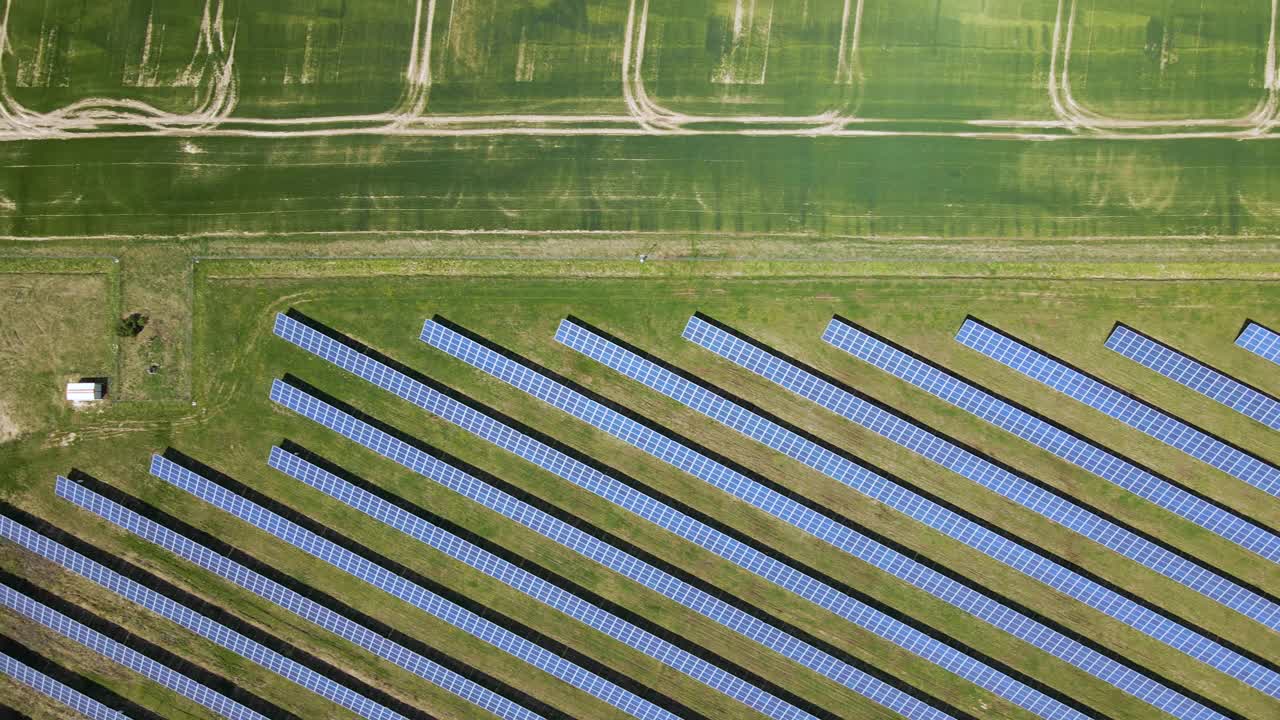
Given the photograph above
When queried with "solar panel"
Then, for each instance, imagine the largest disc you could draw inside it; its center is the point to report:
(57, 691)
(592, 480)
(1053, 438)
(213, 631)
(611, 489)
(1260, 341)
(284, 597)
(1196, 375)
(988, 475)
(409, 592)
(1113, 403)
(605, 554)
(533, 586)
(689, 460)
(123, 655)
(955, 593)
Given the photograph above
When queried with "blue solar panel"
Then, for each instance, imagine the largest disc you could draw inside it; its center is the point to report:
(123, 655)
(280, 595)
(988, 475)
(590, 479)
(1195, 375)
(1053, 438)
(1134, 413)
(689, 460)
(533, 586)
(55, 690)
(601, 484)
(1260, 341)
(407, 591)
(939, 585)
(195, 622)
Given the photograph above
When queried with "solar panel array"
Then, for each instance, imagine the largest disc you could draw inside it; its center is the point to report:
(609, 488)
(1195, 375)
(1002, 481)
(55, 690)
(585, 477)
(698, 465)
(957, 594)
(409, 592)
(124, 655)
(1054, 438)
(1260, 341)
(1134, 413)
(533, 586)
(280, 595)
(213, 631)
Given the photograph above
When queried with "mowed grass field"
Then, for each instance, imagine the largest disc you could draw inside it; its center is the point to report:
(233, 425)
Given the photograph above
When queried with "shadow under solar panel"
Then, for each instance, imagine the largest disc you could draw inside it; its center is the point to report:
(995, 477)
(195, 622)
(532, 585)
(1052, 437)
(64, 695)
(294, 602)
(630, 363)
(869, 684)
(1112, 402)
(1261, 341)
(125, 656)
(538, 384)
(409, 592)
(1191, 373)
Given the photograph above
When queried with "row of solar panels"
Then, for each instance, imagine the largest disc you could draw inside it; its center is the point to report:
(681, 456)
(438, 403)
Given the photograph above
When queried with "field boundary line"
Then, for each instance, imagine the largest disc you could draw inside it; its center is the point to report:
(248, 267)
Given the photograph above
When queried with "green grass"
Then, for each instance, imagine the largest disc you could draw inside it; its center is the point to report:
(57, 326)
(1052, 241)
(963, 60)
(233, 425)
(1078, 194)
(1174, 59)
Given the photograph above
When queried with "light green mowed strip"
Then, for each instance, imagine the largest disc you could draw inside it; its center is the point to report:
(237, 425)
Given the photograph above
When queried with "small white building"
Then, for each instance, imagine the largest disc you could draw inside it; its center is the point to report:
(83, 392)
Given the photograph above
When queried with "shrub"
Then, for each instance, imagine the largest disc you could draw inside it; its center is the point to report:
(132, 325)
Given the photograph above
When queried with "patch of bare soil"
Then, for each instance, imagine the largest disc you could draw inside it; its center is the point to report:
(9, 428)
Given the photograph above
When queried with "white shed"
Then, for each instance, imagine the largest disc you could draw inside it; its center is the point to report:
(82, 392)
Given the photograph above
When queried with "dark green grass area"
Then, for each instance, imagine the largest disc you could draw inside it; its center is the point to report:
(528, 57)
(308, 58)
(767, 57)
(234, 424)
(956, 59)
(62, 52)
(1072, 191)
(292, 57)
(1175, 59)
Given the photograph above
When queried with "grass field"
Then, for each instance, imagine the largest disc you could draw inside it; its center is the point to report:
(770, 163)
(233, 425)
